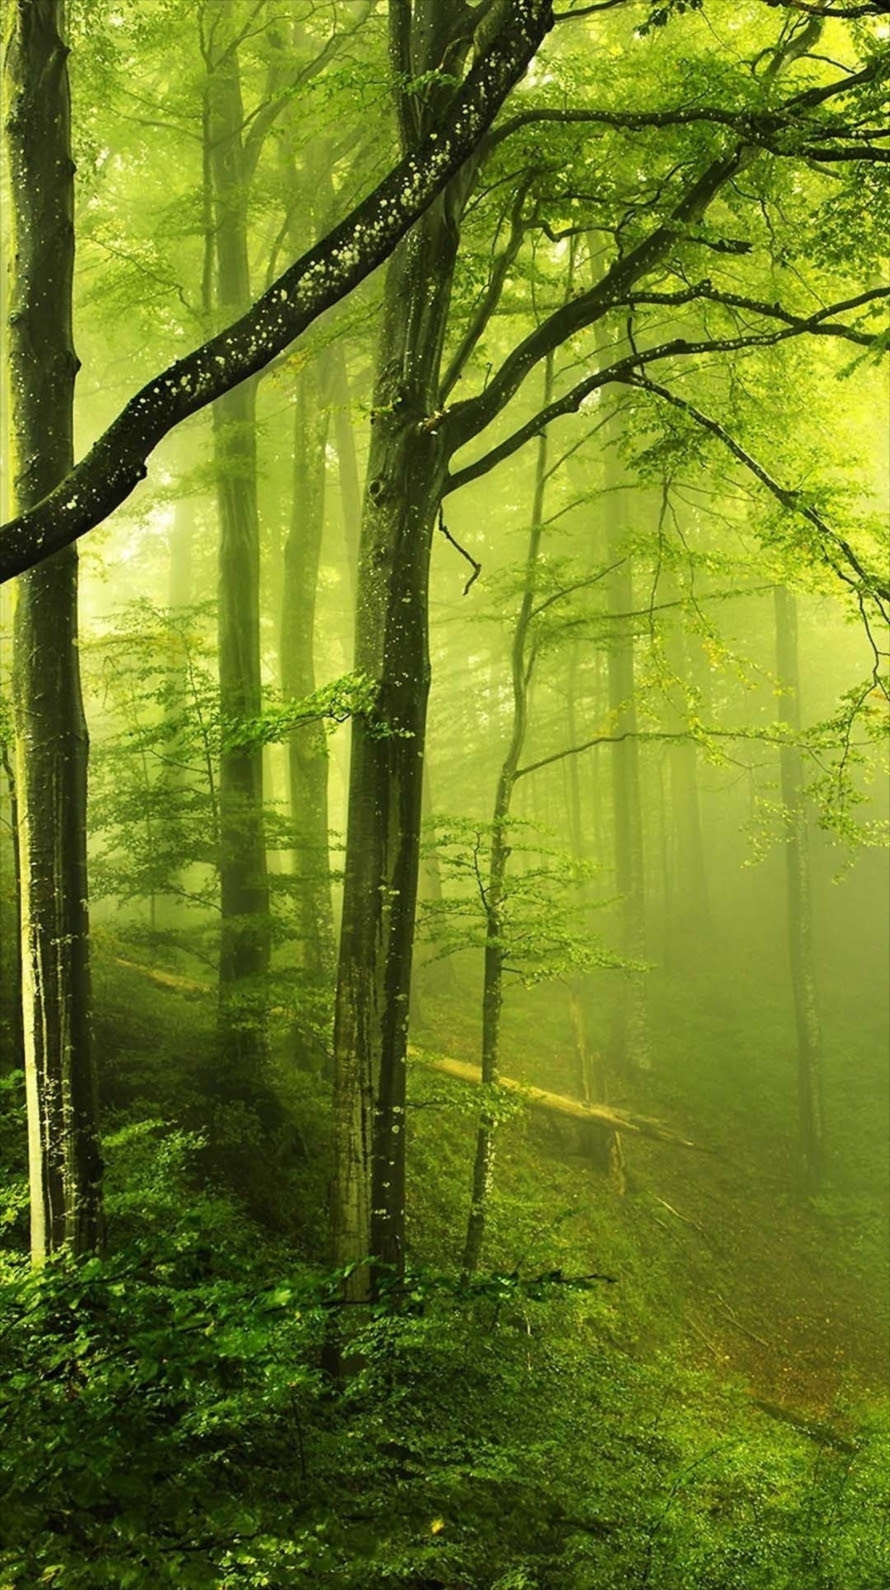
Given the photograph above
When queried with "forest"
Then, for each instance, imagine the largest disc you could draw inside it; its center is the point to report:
(444, 796)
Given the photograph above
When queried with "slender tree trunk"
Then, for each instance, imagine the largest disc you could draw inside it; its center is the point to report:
(181, 547)
(800, 910)
(597, 804)
(307, 746)
(173, 778)
(338, 397)
(606, 1147)
(574, 803)
(51, 736)
(13, 1058)
(631, 1030)
(521, 668)
(690, 906)
(244, 892)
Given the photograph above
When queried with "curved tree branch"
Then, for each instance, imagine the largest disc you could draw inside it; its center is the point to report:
(327, 273)
(490, 298)
(624, 370)
(865, 581)
(755, 125)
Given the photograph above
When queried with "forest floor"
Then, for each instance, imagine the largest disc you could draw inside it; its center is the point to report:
(680, 1384)
(716, 1256)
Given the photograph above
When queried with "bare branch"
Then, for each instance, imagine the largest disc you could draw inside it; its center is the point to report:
(468, 418)
(624, 370)
(588, 11)
(876, 8)
(817, 323)
(476, 566)
(491, 296)
(756, 126)
(865, 581)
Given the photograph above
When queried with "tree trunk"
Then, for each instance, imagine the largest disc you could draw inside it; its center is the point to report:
(521, 667)
(690, 907)
(800, 911)
(405, 473)
(606, 1148)
(244, 893)
(338, 397)
(13, 1057)
(51, 736)
(630, 1041)
(405, 477)
(307, 746)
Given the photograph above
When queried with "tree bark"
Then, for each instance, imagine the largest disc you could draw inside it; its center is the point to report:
(811, 1133)
(405, 476)
(405, 479)
(51, 735)
(13, 1058)
(244, 892)
(307, 746)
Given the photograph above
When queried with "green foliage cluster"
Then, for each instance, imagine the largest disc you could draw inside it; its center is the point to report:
(544, 934)
(169, 1421)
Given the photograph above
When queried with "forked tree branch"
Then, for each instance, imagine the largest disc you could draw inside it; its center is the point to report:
(624, 370)
(756, 125)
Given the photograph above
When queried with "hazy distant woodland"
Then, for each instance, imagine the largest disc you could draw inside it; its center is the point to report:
(444, 942)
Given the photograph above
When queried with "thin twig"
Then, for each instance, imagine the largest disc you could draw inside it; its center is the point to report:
(476, 567)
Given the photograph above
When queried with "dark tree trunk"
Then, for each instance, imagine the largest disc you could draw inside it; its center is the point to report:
(13, 1057)
(405, 473)
(405, 478)
(51, 735)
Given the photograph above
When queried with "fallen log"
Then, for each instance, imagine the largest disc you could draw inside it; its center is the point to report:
(538, 1098)
(817, 1429)
(556, 1103)
(169, 980)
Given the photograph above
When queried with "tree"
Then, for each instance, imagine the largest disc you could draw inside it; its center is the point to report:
(651, 262)
(405, 479)
(630, 1040)
(232, 150)
(416, 436)
(811, 1132)
(51, 735)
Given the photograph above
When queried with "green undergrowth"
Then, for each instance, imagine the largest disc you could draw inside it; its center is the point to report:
(170, 1420)
(167, 1421)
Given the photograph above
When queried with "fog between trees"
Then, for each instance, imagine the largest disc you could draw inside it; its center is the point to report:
(457, 991)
